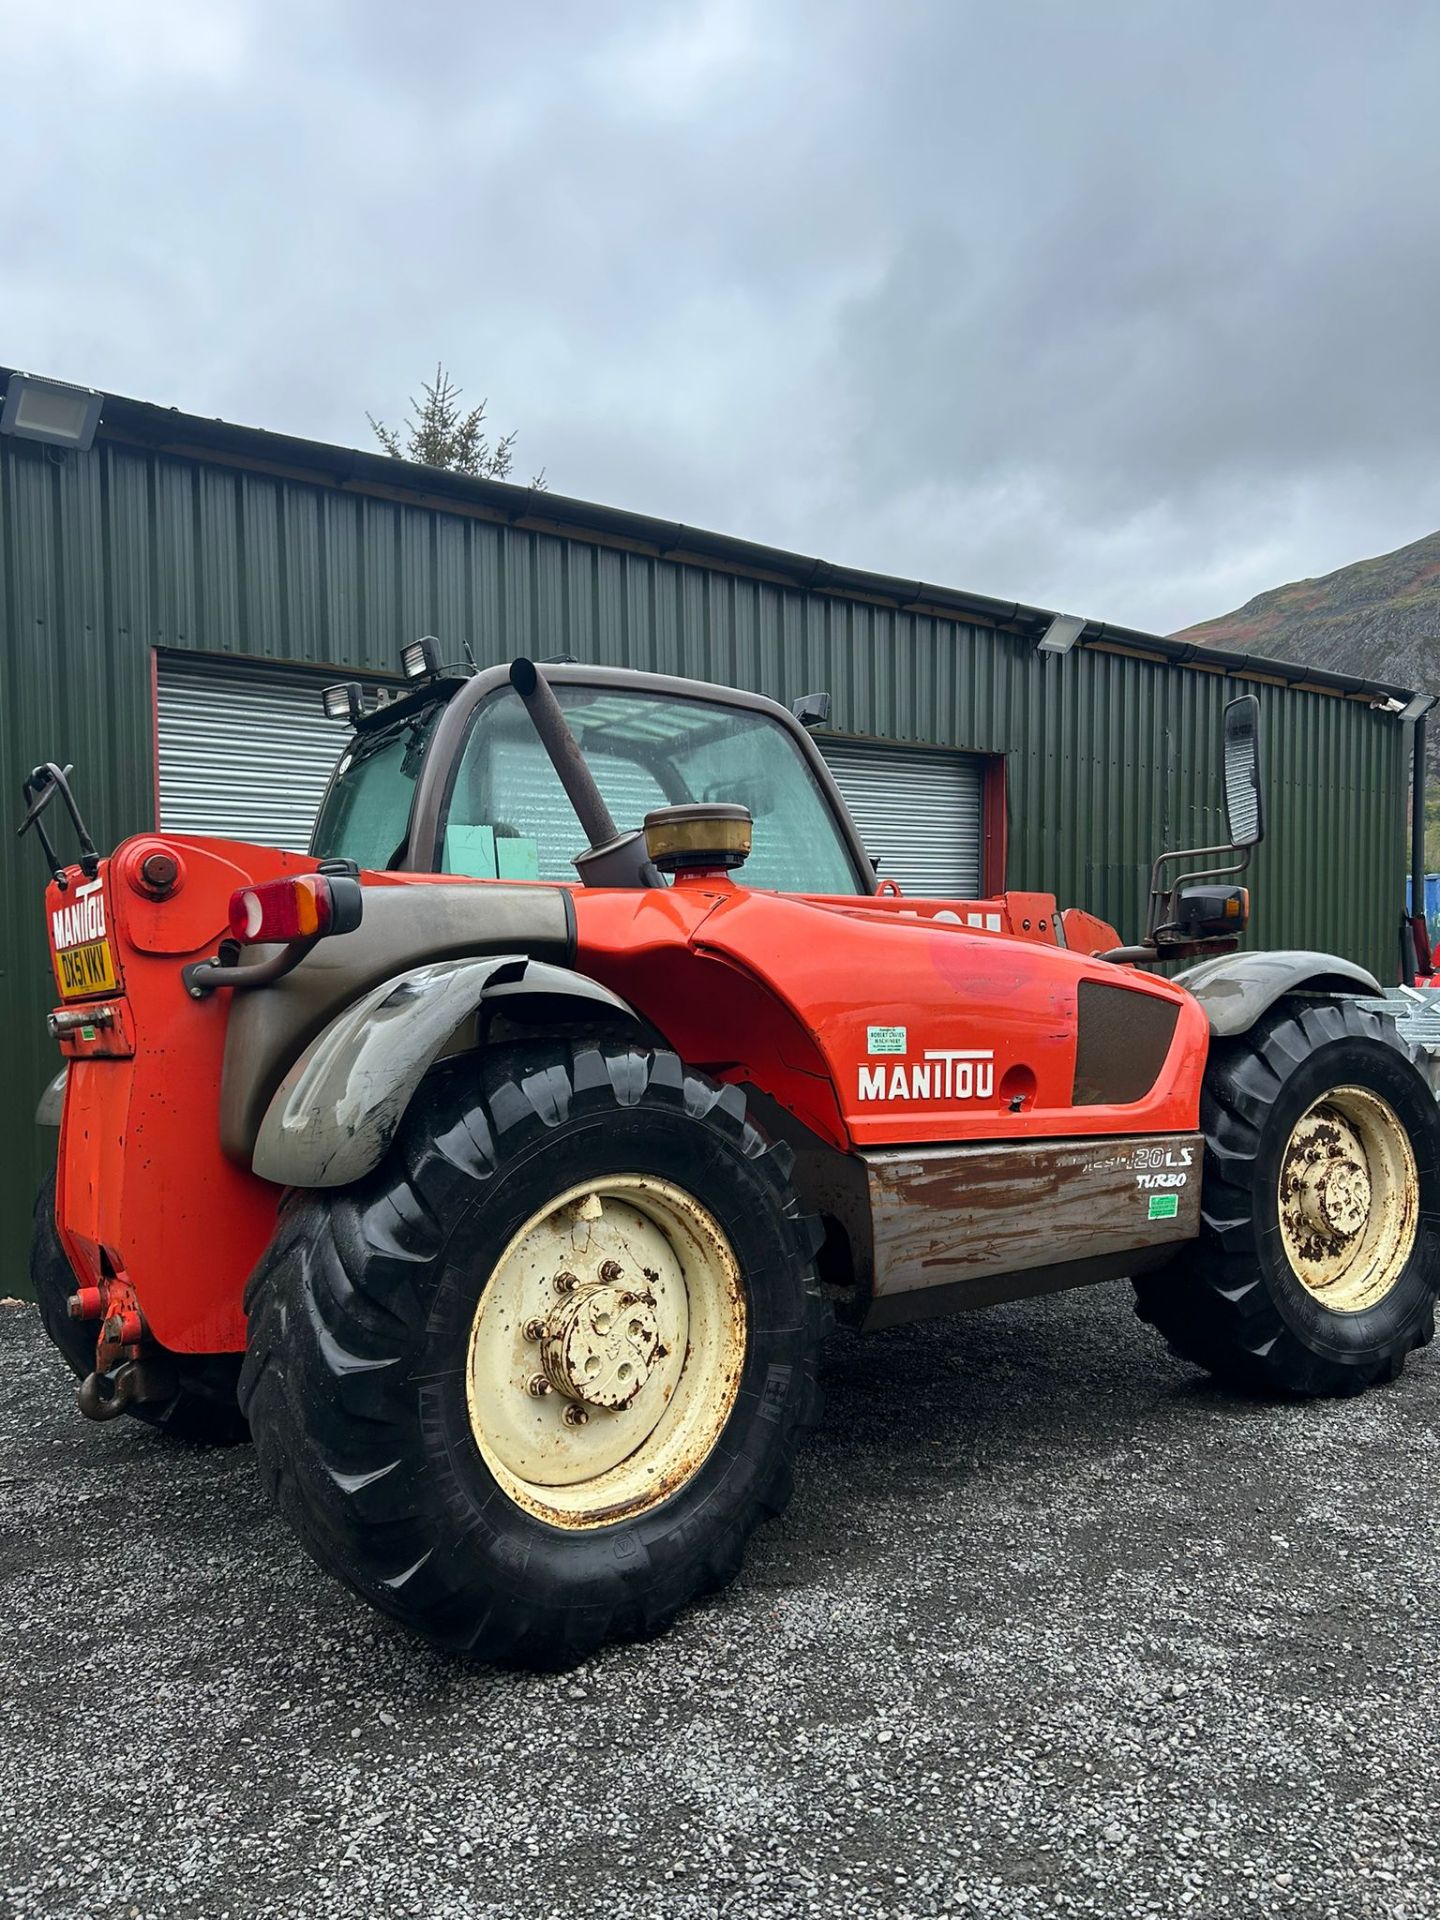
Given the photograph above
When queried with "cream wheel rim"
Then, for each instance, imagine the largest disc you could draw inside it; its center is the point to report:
(605, 1354)
(1349, 1199)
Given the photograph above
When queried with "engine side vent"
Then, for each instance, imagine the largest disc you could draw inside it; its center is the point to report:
(1123, 1039)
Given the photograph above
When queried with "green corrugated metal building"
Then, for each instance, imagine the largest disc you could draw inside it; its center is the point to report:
(171, 598)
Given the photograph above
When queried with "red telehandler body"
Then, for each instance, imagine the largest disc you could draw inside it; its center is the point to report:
(505, 1193)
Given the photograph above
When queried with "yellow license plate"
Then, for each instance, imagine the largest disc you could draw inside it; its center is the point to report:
(87, 969)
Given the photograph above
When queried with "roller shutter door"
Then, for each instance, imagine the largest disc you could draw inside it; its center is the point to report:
(918, 811)
(243, 751)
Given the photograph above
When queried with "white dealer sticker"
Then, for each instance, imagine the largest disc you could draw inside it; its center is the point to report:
(885, 1039)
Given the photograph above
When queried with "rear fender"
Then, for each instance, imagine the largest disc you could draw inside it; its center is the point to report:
(1236, 989)
(336, 1111)
(52, 1101)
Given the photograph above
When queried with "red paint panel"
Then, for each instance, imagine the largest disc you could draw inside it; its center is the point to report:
(140, 1170)
(927, 1030)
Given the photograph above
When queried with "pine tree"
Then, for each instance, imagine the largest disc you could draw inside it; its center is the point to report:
(439, 434)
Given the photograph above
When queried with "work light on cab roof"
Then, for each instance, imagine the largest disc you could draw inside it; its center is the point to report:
(344, 701)
(421, 659)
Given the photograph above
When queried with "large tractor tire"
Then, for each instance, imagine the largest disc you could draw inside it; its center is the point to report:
(203, 1408)
(1318, 1259)
(531, 1385)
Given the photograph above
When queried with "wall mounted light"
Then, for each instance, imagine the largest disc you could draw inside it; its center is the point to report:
(51, 412)
(1061, 634)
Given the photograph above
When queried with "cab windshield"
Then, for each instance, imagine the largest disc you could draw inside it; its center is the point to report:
(508, 816)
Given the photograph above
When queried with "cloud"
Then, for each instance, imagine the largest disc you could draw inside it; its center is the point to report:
(109, 49)
(1124, 309)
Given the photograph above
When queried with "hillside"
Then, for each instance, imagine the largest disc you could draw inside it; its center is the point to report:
(1378, 618)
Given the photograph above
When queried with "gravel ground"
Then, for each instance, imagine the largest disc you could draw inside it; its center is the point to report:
(1052, 1627)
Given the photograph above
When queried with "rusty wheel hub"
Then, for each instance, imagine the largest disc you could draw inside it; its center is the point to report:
(599, 1344)
(606, 1351)
(1334, 1195)
(1349, 1199)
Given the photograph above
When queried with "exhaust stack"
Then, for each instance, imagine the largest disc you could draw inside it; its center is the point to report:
(612, 859)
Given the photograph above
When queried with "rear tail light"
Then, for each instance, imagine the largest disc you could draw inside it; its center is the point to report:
(303, 907)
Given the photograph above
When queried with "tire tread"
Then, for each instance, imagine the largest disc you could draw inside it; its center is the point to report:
(339, 1297)
(1212, 1306)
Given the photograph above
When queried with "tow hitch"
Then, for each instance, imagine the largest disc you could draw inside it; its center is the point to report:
(124, 1374)
(105, 1396)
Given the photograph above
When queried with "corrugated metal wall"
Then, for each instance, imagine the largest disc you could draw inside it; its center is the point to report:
(105, 556)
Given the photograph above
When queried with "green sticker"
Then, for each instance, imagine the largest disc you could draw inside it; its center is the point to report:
(1164, 1206)
(87, 1033)
(885, 1039)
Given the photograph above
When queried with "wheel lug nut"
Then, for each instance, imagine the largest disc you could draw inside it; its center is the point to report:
(538, 1386)
(610, 1272)
(565, 1283)
(574, 1416)
(534, 1329)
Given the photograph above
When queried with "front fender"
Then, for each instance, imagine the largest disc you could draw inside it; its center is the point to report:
(336, 1111)
(1235, 989)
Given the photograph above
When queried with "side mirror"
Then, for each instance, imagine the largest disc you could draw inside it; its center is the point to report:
(1244, 806)
(811, 709)
(1185, 917)
(757, 795)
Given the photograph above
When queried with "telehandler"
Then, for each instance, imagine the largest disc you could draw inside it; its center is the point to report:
(505, 1192)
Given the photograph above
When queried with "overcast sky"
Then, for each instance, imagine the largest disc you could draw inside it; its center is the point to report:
(1126, 307)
